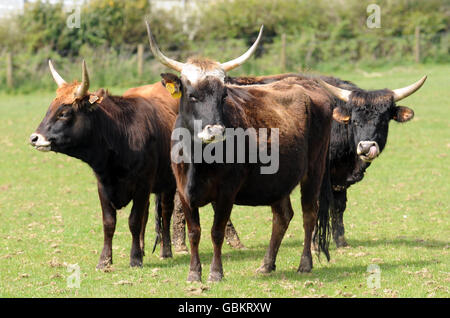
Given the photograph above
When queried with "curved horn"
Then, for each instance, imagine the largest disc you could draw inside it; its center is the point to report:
(227, 66)
(84, 86)
(58, 79)
(177, 66)
(404, 92)
(340, 93)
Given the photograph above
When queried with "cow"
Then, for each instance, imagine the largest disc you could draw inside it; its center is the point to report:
(303, 116)
(357, 138)
(126, 142)
(162, 223)
(359, 132)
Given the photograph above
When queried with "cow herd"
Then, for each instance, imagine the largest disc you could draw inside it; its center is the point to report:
(204, 137)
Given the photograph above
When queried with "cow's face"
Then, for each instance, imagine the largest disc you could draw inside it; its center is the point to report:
(368, 114)
(202, 92)
(201, 89)
(67, 123)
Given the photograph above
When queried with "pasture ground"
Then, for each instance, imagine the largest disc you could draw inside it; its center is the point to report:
(397, 218)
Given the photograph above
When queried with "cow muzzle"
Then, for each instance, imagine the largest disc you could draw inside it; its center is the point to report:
(39, 142)
(212, 133)
(368, 150)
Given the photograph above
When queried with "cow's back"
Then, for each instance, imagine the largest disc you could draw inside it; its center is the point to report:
(152, 91)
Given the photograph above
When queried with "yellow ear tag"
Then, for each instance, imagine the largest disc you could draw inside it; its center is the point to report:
(172, 90)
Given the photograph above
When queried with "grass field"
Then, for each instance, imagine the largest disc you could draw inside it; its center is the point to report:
(397, 217)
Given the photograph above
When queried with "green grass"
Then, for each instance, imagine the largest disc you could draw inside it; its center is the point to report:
(397, 217)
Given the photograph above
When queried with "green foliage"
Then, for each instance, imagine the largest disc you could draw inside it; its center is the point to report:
(322, 35)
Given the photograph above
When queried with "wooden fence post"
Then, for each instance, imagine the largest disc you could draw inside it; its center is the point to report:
(311, 48)
(140, 59)
(9, 70)
(417, 44)
(283, 52)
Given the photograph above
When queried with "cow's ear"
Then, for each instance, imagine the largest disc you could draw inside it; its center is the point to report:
(403, 114)
(172, 83)
(341, 115)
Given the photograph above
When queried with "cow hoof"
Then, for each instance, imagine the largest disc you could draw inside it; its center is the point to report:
(136, 263)
(181, 252)
(341, 242)
(305, 265)
(236, 243)
(194, 276)
(215, 277)
(102, 264)
(266, 269)
(166, 254)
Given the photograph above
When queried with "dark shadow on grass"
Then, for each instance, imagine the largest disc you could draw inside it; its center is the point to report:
(353, 243)
(329, 273)
(401, 241)
(337, 273)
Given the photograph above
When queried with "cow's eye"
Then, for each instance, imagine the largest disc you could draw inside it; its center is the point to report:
(64, 114)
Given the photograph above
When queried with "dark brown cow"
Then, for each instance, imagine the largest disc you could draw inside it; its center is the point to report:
(302, 115)
(125, 140)
(359, 133)
(162, 222)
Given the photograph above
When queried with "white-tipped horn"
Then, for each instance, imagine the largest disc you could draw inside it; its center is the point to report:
(177, 66)
(340, 93)
(84, 86)
(58, 79)
(404, 92)
(227, 66)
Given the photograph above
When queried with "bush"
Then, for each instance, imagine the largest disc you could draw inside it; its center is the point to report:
(320, 35)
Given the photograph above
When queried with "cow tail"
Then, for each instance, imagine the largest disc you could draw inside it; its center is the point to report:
(322, 234)
(158, 220)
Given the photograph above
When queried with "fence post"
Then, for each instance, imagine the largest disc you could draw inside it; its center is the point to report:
(283, 52)
(417, 44)
(140, 59)
(311, 48)
(9, 70)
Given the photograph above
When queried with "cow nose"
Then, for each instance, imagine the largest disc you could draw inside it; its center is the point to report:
(368, 150)
(40, 142)
(212, 133)
(34, 138)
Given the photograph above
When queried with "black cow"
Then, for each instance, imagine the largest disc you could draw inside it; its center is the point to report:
(303, 116)
(358, 134)
(126, 142)
(357, 137)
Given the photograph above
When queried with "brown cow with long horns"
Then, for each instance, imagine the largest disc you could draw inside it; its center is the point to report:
(126, 142)
(209, 106)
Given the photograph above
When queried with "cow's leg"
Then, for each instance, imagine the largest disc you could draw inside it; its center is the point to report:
(194, 233)
(144, 225)
(310, 191)
(109, 226)
(232, 237)
(140, 204)
(222, 210)
(337, 218)
(282, 214)
(167, 199)
(179, 226)
(179, 234)
(309, 208)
